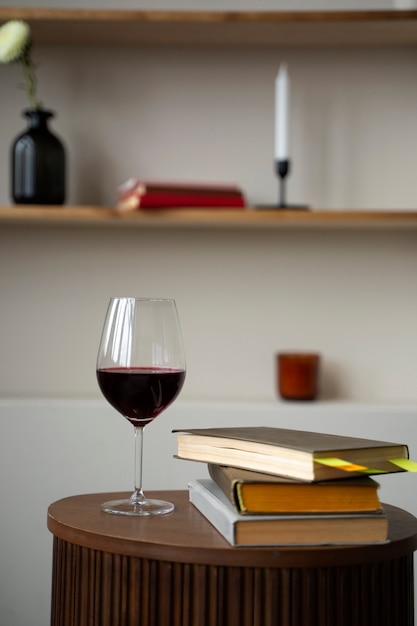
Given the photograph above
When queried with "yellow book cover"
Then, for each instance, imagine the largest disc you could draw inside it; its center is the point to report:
(255, 492)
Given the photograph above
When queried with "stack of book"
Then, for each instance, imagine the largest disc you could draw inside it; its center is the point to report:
(274, 486)
(145, 194)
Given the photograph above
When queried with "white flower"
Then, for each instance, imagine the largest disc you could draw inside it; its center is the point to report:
(16, 46)
(14, 39)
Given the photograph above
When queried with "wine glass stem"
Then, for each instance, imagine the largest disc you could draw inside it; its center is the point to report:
(138, 496)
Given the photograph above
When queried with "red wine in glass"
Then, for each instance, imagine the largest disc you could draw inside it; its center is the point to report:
(139, 393)
(140, 372)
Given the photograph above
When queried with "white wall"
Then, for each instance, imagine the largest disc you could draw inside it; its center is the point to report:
(208, 114)
(241, 297)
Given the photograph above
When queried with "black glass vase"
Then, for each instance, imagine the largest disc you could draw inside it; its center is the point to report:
(38, 162)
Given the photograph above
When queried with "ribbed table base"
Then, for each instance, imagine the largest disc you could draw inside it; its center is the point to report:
(95, 588)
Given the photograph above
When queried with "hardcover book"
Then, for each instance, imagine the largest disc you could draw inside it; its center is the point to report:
(142, 186)
(302, 455)
(284, 530)
(257, 493)
(137, 194)
(161, 200)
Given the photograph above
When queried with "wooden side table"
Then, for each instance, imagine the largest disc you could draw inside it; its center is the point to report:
(176, 570)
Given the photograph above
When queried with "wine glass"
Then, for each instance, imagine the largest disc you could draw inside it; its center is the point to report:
(140, 371)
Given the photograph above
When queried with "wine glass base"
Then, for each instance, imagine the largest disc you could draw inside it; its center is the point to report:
(145, 507)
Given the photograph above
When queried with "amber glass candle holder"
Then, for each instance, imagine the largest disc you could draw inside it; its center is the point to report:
(298, 375)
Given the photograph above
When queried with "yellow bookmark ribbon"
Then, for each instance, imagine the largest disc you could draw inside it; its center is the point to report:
(341, 464)
(405, 464)
(347, 466)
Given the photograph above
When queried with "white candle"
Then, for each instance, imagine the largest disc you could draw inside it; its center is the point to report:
(281, 113)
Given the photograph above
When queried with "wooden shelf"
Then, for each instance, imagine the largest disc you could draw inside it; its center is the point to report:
(207, 218)
(283, 28)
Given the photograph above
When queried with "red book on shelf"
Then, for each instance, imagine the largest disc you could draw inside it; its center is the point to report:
(159, 200)
(136, 194)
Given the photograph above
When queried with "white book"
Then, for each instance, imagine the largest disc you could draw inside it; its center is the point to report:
(263, 530)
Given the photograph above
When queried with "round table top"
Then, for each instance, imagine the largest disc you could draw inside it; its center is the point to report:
(185, 536)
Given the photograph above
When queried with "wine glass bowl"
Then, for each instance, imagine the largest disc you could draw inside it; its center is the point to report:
(140, 372)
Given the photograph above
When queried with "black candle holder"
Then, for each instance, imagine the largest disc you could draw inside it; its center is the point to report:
(282, 169)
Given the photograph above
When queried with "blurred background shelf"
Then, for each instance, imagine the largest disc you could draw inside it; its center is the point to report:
(207, 218)
(281, 28)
